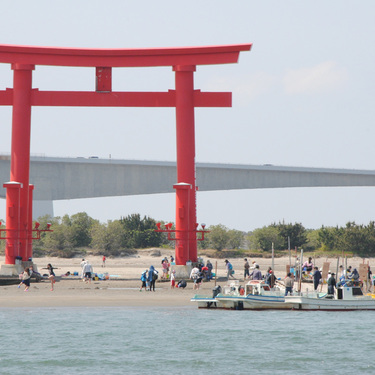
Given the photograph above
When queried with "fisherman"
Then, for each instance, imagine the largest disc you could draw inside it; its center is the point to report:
(331, 284)
(317, 276)
(256, 274)
(209, 268)
(289, 282)
(270, 278)
(246, 267)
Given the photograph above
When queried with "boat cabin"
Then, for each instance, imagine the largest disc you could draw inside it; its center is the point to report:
(349, 292)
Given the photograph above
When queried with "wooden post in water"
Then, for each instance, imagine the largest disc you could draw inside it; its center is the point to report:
(215, 272)
(300, 272)
(325, 273)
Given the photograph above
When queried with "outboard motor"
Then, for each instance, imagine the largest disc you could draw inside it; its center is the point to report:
(216, 291)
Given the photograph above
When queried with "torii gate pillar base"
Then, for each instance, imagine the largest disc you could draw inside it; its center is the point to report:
(14, 270)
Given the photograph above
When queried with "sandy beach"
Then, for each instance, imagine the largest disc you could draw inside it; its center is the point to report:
(122, 289)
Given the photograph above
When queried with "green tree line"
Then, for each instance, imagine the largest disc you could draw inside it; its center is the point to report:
(77, 233)
(80, 232)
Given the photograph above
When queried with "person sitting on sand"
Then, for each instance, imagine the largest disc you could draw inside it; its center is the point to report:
(181, 284)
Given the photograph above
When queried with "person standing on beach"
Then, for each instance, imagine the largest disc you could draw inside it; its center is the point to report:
(26, 277)
(87, 272)
(246, 269)
(82, 265)
(209, 270)
(289, 282)
(143, 279)
(51, 275)
(229, 269)
(103, 261)
(194, 275)
(152, 277)
(165, 268)
(173, 279)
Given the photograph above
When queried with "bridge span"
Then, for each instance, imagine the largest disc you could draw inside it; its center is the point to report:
(77, 178)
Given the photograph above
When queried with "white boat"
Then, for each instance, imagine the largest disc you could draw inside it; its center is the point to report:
(256, 295)
(347, 298)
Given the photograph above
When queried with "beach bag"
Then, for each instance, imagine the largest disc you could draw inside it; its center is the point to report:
(155, 276)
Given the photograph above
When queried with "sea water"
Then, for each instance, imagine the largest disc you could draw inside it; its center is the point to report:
(184, 340)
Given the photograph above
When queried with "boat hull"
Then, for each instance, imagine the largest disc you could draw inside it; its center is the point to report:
(243, 303)
(324, 304)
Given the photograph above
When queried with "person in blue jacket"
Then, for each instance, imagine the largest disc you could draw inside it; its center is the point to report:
(143, 279)
(152, 277)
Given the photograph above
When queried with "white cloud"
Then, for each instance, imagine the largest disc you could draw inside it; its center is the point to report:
(245, 88)
(323, 77)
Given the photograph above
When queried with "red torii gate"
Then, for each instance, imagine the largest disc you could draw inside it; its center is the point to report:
(184, 98)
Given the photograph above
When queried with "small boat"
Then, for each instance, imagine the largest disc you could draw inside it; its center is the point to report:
(347, 298)
(256, 295)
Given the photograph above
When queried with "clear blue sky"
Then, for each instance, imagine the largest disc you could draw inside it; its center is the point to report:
(304, 96)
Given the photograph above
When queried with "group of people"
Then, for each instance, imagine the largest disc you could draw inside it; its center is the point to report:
(149, 277)
(348, 277)
(28, 273)
(166, 265)
(201, 272)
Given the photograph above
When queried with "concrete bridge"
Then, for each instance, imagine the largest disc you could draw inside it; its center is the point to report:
(75, 178)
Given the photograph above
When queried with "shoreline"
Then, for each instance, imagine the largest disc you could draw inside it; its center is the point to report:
(122, 290)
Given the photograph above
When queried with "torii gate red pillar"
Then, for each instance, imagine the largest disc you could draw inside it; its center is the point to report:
(20, 160)
(186, 216)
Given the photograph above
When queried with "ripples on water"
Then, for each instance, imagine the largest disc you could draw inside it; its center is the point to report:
(184, 341)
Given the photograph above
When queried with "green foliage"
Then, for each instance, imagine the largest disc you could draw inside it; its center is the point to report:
(79, 233)
(296, 233)
(218, 237)
(236, 239)
(353, 238)
(264, 237)
(140, 233)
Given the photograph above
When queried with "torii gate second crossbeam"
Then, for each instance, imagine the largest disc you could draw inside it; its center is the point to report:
(184, 98)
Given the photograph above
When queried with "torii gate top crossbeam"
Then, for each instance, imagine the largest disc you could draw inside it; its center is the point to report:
(108, 57)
